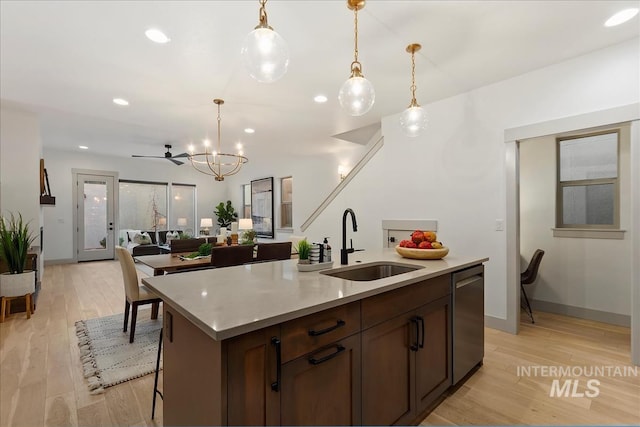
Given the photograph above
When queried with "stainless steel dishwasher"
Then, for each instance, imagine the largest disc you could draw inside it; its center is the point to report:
(468, 320)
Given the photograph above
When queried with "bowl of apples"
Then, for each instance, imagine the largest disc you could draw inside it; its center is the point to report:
(422, 245)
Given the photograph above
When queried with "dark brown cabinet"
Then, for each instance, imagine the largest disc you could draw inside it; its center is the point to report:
(323, 388)
(253, 386)
(406, 364)
(382, 360)
(388, 367)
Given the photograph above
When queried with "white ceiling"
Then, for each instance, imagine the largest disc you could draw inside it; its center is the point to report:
(67, 60)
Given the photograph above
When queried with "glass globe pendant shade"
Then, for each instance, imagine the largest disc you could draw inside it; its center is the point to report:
(266, 55)
(357, 96)
(413, 121)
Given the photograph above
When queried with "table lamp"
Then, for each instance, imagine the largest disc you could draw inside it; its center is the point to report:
(206, 223)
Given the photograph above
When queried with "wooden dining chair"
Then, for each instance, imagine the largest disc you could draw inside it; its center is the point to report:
(227, 256)
(135, 293)
(273, 251)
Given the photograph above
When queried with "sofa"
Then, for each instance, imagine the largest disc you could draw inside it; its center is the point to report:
(138, 246)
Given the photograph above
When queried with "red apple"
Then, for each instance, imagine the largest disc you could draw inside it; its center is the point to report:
(424, 245)
(417, 237)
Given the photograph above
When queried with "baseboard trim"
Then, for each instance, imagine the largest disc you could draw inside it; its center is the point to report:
(497, 323)
(59, 261)
(581, 312)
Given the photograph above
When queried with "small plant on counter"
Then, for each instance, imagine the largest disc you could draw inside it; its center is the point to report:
(248, 237)
(304, 248)
(204, 249)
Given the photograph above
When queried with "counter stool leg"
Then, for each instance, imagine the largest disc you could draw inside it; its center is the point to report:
(155, 381)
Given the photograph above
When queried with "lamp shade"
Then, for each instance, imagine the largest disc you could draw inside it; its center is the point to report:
(206, 222)
(413, 120)
(245, 224)
(182, 221)
(357, 96)
(266, 55)
(162, 221)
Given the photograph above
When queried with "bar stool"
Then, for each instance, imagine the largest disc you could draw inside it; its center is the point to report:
(155, 381)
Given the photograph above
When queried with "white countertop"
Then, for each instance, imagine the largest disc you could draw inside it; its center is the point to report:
(231, 301)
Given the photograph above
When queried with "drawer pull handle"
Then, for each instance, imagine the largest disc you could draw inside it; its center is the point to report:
(275, 386)
(339, 349)
(421, 320)
(339, 323)
(416, 346)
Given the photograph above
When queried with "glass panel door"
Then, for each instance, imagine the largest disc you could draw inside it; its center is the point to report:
(95, 235)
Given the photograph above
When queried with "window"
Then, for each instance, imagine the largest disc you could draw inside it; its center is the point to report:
(587, 194)
(142, 205)
(246, 201)
(183, 209)
(286, 199)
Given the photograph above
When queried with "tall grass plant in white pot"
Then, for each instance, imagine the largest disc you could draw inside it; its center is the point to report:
(15, 240)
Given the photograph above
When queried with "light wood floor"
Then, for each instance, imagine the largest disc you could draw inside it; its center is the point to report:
(41, 379)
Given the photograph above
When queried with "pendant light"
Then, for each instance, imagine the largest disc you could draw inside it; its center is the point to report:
(265, 53)
(216, 163)
(356, 94)
(413, 120)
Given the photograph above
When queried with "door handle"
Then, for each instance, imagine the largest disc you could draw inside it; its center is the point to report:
(314, 333)
(339, 349)
(414, 347)
(421, 320)
(275, 386)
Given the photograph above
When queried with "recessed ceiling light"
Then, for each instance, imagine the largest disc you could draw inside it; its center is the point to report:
(120, 101)
(320, 99)
(621, 17)
(83, 147)
(249, 130)
(157, 36)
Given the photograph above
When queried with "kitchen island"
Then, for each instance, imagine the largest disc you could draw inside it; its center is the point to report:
(264, 344)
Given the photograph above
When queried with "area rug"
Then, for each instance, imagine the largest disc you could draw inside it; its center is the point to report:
(108, 358)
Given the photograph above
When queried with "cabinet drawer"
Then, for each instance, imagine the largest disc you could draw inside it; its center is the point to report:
(385, 306)
(306, 334)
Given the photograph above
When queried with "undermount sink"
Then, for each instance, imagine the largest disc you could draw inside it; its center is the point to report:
(371, 271)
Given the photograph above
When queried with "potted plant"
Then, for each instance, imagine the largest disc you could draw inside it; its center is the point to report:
(249, 237)
(304, 248)
(226, 214)
(15, 240)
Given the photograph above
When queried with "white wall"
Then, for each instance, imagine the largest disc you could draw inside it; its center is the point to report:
(314, 177)
(454, 172)
(58, 219)
(20, 152)
(586, 273)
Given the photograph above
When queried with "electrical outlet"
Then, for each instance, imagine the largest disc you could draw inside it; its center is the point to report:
(499, 225)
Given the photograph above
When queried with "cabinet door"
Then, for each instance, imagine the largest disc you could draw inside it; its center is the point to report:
(251, 371)
(193, 384)
(388, 364)
(323, 388)
(433, 366)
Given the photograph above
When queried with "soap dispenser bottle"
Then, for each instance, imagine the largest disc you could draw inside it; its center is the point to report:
(327, 250)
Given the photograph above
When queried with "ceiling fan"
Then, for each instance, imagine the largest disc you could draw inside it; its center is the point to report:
(167, 156)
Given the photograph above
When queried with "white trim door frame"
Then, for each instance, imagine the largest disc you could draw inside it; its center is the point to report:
(95, 198)
(627, 113)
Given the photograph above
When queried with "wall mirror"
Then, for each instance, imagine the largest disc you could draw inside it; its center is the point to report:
(262, 207)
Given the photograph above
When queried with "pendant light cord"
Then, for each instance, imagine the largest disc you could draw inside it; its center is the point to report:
(356, 67)
(219, 143)
(414, 102)
(263, 15)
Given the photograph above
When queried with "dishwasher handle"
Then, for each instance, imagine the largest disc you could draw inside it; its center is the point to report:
(468, 281)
